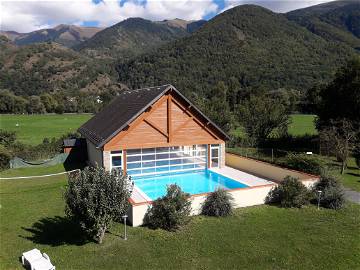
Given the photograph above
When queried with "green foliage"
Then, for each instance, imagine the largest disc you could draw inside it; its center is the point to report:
(289, 193)
(7, 138)
(95, 198)
(218, 204)
(169, 212)
(254, 45)
(332, 192)
(262, 116)
(4, 158)
(344, 91)
(337, 21)
(302, 162)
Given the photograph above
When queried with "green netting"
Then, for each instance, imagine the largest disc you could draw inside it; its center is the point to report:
(21, 163)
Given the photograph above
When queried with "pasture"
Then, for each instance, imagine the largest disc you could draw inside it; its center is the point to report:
(32, 129)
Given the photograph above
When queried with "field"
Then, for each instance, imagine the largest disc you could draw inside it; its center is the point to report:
(263, 237)
(32, 129)
(302, 124)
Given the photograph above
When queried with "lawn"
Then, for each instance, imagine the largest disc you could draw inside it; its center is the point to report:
(263, 237)
(302, 124)
(32, 129)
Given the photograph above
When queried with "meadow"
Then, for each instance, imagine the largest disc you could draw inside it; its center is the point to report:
(260, 237)
(32, 129)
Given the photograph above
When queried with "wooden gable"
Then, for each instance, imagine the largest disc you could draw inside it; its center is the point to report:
(167, 122)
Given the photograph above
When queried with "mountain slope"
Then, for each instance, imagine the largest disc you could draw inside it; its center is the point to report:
(254, 45)
(49, 67)
(135, 36)
(334, 21)
(67, 35)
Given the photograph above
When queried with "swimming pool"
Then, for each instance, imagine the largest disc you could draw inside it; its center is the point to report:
(195, 182)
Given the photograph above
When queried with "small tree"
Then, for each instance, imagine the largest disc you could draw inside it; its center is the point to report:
(289, 193)
(332, 192)
(95, 198)
(262, 116)
(171, 211)
(340, 137)
(218, 203)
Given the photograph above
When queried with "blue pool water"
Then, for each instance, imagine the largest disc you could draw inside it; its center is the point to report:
(194, 182)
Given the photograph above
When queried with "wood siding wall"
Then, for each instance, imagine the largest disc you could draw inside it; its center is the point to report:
(168, 123)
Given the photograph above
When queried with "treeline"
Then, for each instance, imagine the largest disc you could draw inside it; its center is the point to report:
(58, 102)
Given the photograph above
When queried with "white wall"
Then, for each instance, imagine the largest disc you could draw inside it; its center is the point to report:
(242, 198)
(95, 156)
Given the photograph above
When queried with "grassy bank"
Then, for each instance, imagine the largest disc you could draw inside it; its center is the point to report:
(32, 129)
(302, 124)
(264, 237)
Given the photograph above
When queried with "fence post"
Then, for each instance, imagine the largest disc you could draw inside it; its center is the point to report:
(272, 155)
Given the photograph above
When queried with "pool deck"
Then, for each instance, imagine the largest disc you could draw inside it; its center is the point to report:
(243, 177)
(139, 197)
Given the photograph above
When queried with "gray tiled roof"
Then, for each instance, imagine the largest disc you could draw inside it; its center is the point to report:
(124, 109)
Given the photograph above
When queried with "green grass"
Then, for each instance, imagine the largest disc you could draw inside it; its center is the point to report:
(302, 124)
(351, 176)
(264, 237)
(32, 129)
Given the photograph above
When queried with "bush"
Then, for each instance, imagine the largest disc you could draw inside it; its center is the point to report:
(218, 204)
(5, 158)
(169, 212)
(332, 192)
(290, 193)
(95, 198)
(302, 162)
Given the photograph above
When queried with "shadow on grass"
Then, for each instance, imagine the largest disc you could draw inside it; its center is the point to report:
(56, 231)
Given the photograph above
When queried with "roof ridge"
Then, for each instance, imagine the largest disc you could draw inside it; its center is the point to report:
(147, 88)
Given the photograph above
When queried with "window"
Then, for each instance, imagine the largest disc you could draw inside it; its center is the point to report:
(214, 155)
(165, 159)
(116, 159)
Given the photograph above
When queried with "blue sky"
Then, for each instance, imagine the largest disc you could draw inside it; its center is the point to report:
(30, 15)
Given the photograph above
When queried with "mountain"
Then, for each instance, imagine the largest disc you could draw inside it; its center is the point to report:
(50, 67)
(134, 36)
(67, 35)
(334, 21)
(257, 47)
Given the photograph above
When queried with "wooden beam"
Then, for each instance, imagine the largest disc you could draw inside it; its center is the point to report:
(169, 118)
(124, 161)
(208, 156)
(195, 119)
(153, 125)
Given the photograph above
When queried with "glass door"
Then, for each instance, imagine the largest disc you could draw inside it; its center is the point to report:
(214, 155)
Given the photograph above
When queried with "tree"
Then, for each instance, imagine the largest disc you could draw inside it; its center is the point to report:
(95, 198)
(7, 138)
(262, 116)
(341, 98)
(35, 105)
(217, 107)
(49, 102)
(340, 137)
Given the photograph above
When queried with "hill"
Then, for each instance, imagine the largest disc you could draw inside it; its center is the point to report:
(67, 35)
(256, 46)
(334, 21)
(134, 36)
(49, 67)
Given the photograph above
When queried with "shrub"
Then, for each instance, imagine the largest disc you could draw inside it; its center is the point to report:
(4, 158)
(218, 204)
(302, 162)
(95, 198)
(332, 192)
(7, 138)
(289, 193)
(169, 212)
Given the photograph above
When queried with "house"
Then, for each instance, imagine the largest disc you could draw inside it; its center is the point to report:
(140, 124)
(158, 137)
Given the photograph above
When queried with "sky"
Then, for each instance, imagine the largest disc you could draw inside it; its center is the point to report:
(29, 15)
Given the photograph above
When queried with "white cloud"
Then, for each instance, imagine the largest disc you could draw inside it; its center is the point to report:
(25, 16)
(275, 5)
